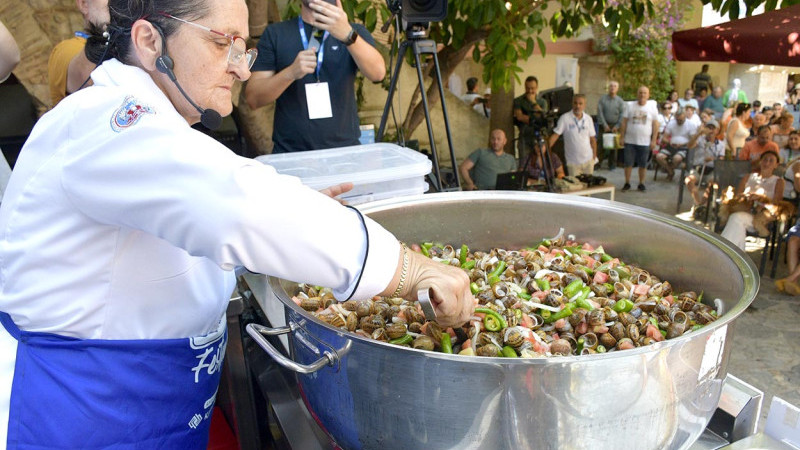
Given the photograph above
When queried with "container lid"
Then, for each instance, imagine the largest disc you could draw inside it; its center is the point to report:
(358, 164)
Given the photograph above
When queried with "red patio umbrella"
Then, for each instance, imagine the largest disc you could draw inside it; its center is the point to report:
(769, 38)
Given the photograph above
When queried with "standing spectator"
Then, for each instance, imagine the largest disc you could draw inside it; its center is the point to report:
(675, 143)
(737, 130)
(640, 132)
(308, 66)
(735, 93)
(68, 68)
(790, 87)
(482, 107)
(610, 110)
(471, 97)
(9, 53)
(487, 163)
(529, 111)
(781, 130)
(702, 80)
(753, 149)
(688, 95)
(707, 148)
(580, 145)
(714, 102)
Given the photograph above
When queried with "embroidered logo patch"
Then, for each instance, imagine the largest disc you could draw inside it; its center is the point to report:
(128, 114)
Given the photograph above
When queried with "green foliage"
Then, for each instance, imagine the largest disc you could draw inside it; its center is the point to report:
(731, 7)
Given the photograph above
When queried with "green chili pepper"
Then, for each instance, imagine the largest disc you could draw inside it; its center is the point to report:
(447, 346)
(492, 280)
(663, 333)
(605, 257)
(545, 242)
(543, 284)
(579, 349)
(609, 287)
(696, 327)
(582, 300)
(623, 305)
(517, 313)
(524, 295)
(501, 266)
(600, 348)
(462, 257)
(566, 312)
(700, 297)
(654, 321)
(425, 249)
(623, 272)
(474, 288)
(545, 313)
(405, 340)
(573, 288)
(469, 265)
(509, 352)
(492, 321)
(602, 268)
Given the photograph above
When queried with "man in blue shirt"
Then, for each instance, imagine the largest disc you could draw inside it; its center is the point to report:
(308, 66)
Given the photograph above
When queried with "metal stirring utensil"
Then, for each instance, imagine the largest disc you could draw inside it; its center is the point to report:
(424, 297)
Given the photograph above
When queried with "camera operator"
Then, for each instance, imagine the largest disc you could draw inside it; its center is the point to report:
(529, 117)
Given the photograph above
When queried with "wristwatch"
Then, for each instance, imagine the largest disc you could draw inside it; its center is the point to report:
(351, 37)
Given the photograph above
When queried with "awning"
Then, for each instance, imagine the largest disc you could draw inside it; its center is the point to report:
(769, 38)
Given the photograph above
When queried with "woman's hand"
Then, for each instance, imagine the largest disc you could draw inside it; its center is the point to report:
(337, 190)
(449, 287)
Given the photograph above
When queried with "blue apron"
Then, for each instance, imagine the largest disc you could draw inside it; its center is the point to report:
(91, 393)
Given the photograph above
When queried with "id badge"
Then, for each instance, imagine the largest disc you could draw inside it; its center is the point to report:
(319, 101)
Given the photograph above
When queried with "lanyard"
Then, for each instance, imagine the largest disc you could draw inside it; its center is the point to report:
(81, 34)
(321, 52)
(580, 125)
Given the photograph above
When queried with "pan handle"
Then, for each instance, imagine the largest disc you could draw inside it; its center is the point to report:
(257, 332)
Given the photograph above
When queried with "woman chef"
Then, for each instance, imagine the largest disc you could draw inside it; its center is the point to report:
(121, 227)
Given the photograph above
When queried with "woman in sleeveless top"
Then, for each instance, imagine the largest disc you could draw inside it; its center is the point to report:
(738, 131)
(761, 187)
(781, 130)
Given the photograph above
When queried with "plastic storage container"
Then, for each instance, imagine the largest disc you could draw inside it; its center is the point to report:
(377, 171)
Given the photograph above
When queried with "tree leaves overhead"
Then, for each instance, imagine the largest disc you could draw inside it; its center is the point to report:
(731, 7)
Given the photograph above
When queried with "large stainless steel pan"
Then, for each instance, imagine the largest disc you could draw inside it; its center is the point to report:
(368, 394)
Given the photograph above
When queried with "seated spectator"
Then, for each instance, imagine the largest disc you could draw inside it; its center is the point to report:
(487, 163)
(691, 113)
(791, 152)
(753, 149)
(674, 143)
(664, 116)
(672, 98)
(781, 129)
(714, 102)
(688, 95)
(701, 98)
(778, 110)
(754, 193)
(536, 167)
(707, 148)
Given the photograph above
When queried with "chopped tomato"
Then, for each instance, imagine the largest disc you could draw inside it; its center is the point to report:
(641, 289)
(590, 262)
(544, 249)
(588, 246)
(600, 329)
(582, 328)
(296, 300)
(527, 321)
(402, 315)
(424, 328)
(653, 333)
(451, 332)
(600, 277)
(613, 263)
(627, 345)
(560, 323)
(467, 344)
(540, 295)
(670, 299)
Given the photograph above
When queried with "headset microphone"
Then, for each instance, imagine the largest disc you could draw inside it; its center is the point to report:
(210, 118)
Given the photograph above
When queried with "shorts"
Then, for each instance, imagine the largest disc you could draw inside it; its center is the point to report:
(635, 155)
(672, 151)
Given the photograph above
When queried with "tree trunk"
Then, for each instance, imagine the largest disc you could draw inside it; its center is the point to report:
(502, 103)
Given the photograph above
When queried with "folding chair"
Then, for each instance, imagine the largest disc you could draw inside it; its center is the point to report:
(727, 173)
(685, 168)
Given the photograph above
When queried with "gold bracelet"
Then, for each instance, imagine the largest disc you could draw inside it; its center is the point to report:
(403, 273)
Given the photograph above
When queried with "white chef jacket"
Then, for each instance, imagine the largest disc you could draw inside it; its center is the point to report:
(131, 229)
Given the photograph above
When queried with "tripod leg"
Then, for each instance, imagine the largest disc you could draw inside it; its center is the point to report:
(428, 119)
(446, 119)
(401, 53)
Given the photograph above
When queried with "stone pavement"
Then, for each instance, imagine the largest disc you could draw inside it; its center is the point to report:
(766, 337)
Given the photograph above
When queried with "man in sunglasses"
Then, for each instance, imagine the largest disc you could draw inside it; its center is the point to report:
(307, 66)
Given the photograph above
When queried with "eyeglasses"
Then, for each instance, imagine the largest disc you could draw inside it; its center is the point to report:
(238, 52)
